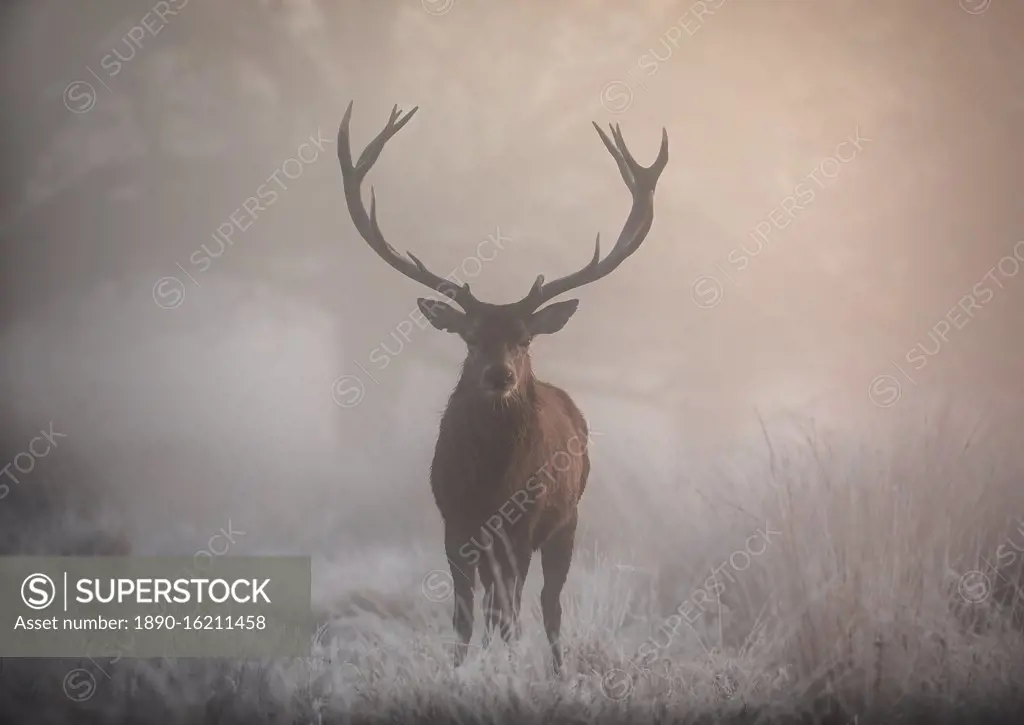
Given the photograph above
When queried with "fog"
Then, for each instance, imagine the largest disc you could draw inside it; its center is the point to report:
(842, 176)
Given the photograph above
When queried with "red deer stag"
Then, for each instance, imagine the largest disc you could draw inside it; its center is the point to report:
(502, 426)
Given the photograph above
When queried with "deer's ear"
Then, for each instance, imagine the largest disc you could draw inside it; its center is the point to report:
(442, 316)
(552, 318)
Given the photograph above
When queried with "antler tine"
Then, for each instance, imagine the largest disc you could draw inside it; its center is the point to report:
(616, 150)
(641, 181)
(395, 123)
(366, 223)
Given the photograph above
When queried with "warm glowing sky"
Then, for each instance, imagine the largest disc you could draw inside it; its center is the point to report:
(98, 206)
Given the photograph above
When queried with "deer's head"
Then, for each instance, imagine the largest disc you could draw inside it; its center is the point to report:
(498, 336)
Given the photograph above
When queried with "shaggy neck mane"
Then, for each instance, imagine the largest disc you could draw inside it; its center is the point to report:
(500, 418)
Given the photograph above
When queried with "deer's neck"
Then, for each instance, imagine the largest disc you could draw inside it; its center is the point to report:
(497, 421)
(480, 440)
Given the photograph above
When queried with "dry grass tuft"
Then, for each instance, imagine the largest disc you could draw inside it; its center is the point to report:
(857, 604)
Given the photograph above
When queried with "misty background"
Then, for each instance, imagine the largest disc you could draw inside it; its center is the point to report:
(225, 406)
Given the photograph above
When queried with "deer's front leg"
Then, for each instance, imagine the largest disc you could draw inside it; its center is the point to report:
(463, 583)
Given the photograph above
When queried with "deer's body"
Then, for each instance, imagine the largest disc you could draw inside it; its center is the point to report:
(486, 454)
(511, 460)
(507, 475)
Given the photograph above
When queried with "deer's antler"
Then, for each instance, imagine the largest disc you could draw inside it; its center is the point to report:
(641, 181)
(366, 223)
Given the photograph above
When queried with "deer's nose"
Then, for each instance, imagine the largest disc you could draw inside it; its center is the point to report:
(499, 376)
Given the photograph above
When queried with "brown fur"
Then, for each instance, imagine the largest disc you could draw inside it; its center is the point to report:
(507, 475)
